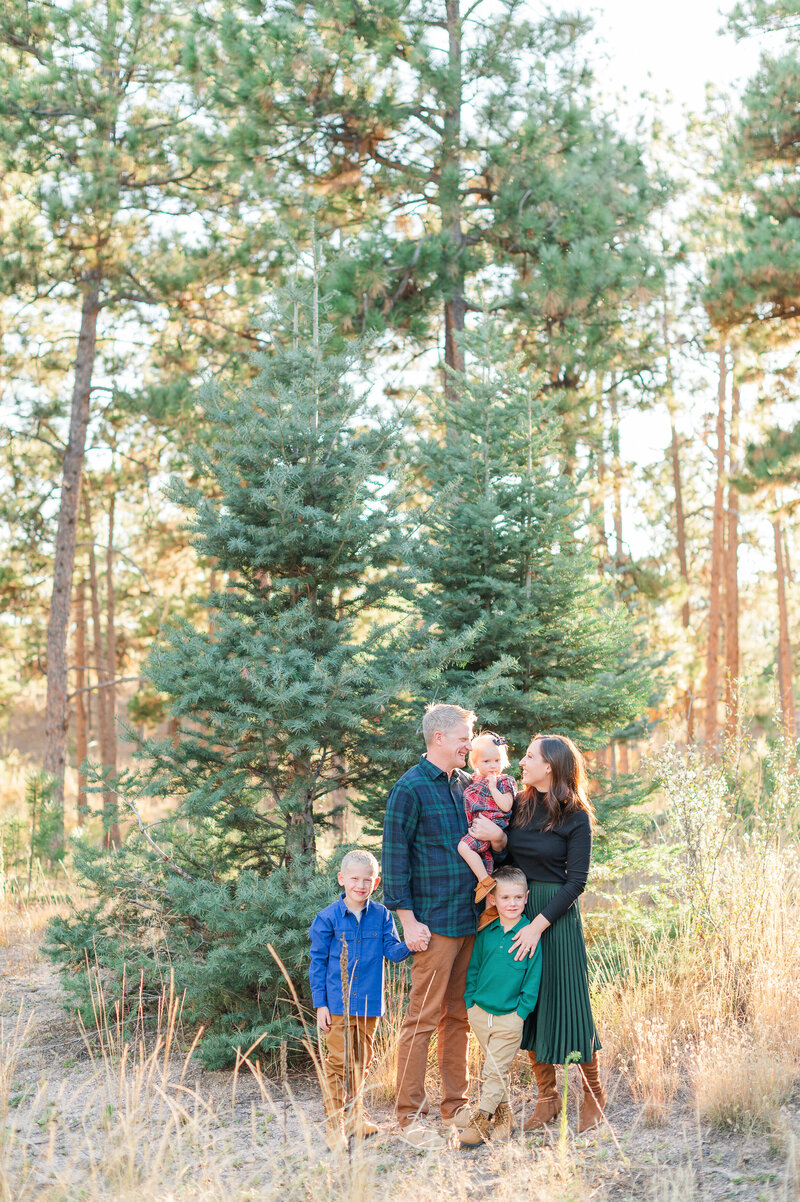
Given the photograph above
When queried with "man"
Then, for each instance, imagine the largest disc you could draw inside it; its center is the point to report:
(430, 887)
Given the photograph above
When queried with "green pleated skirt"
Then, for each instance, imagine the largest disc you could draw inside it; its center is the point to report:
(562, 1020)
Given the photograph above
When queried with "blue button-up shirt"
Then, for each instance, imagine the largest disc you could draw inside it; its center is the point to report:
(369, 939)
(422, 870)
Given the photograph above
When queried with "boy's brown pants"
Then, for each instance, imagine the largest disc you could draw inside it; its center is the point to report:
(337, 1089)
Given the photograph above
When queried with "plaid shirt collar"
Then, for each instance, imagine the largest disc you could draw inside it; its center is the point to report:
(433, 772)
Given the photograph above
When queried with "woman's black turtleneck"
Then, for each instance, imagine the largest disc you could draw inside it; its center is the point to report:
(560, 855)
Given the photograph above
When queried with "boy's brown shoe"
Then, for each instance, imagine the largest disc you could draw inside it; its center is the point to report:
(361, 1126)
(478, 1132)
(503, 1122)
(335, 1136)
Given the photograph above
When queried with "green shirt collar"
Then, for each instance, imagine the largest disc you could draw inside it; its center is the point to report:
(497, 926)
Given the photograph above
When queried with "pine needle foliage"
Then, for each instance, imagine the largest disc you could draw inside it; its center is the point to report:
(503, 550)
(309, 677)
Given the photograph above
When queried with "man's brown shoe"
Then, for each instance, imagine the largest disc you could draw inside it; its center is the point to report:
(461, 1118)
(419, 1135)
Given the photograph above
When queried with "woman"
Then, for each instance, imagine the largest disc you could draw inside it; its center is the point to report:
(550, 839)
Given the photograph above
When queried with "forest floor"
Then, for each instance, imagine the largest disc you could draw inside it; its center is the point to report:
(89, 1119)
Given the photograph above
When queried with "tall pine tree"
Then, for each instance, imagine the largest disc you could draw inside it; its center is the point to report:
(449, 139)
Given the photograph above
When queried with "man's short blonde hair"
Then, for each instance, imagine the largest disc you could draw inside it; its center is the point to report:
(444, 718)
(365, 858)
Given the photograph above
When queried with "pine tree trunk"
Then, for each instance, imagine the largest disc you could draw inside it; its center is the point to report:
(103, 711)
(714, 609)
(450, 202)
(339, 801)
(57, 710)
(612, 760)
(616, 473)
(732, 669)
(680, 521)
(785, 674)
(683, 563)
(600, 510)
(113, 837)
(81, 723)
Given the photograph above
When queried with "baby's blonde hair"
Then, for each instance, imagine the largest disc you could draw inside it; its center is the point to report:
(487, 739)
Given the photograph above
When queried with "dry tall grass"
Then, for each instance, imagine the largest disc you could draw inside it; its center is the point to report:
(708, 1010)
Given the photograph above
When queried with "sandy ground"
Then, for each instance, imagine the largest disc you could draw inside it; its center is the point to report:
(267, 1141)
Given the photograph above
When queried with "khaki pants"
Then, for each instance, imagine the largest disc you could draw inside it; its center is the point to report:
(337, 1089)
(436, 1003)
(499, 1036)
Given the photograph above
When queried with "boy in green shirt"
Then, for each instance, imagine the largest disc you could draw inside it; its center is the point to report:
(500, 994)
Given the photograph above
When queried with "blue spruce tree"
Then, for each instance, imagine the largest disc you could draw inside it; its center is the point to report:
(502, 552)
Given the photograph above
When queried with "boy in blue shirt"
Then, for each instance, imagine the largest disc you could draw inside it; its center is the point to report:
(366, 929)
(500, 994)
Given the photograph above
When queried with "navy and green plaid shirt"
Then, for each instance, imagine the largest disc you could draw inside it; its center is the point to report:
(422, 870)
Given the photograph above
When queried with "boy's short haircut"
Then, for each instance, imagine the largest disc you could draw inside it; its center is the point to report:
(506, 875)
(444, 718)
(357, 856)
(487, 739)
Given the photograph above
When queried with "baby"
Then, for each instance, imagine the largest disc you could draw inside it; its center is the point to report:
(490, 795)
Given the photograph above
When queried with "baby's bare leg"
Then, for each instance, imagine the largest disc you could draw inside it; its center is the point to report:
(473, 859)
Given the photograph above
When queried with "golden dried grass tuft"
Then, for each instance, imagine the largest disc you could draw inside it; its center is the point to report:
(706, 1009)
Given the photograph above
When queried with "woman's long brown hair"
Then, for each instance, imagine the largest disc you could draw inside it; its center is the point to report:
(567, 792)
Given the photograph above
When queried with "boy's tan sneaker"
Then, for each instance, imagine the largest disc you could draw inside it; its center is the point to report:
(419, 1135)
(503, 1122)
(478, 1132)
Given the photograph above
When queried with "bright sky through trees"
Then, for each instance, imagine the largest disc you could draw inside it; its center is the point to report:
(676, 49)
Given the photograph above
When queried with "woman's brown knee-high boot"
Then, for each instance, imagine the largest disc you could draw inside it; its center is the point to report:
(595, 1097)
(548, 1103)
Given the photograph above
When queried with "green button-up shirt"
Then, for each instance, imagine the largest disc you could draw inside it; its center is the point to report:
(495, 980)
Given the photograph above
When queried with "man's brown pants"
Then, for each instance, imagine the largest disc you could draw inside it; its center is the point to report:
(436, 1003)
(337, 1089)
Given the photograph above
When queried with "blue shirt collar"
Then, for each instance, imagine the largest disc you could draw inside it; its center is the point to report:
(343, 909)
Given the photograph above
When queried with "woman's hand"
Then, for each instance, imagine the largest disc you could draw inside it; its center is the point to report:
(484, 828)
(526, 941)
